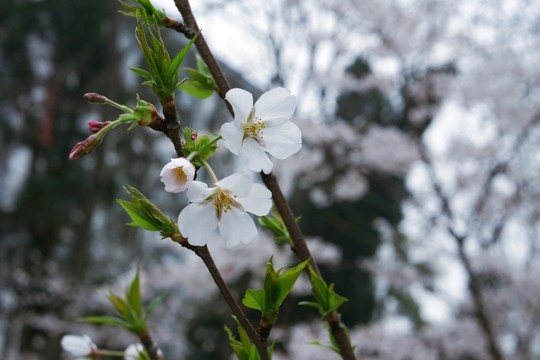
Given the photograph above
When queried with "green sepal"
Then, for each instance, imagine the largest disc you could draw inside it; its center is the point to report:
(204, 146)
(327, 301)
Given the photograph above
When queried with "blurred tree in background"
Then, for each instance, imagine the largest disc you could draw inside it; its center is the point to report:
(420, 129)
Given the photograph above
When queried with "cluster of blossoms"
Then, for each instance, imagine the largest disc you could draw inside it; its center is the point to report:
(220, 211)
(82, 347)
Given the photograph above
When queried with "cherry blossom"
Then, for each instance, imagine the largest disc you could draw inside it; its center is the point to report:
(220, 212)
(80, 346)
(177, 174)
(261, 128)
(133, 352)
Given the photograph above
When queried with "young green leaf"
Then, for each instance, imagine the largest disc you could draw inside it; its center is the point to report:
(255, 299)
(107, 320)
(143, 73)
(327, 301)
(134, 295)
(177, 61)
(196, 89)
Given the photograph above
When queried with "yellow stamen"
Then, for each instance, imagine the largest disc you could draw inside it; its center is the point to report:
(223, 201)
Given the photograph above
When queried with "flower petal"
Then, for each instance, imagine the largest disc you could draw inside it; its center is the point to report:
(78, 345)
(242, 103)
(259, 200)
(236, 226)
(238, 183)
(282, 141)
(232, 136)
(198, 191)
(255, 156)
(276, 103)
(198, 223)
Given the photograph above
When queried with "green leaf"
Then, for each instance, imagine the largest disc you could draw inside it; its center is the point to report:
(253, 353)
(145, 74)
(137, 216)
(202, 67)
(288, 279)
(236, 345)
(325, 296)
(196, 89)
(134, 295)
(255, 299)
(177, 61)
(333, 348)
(107, 320)
(121, 306)
(153, 304)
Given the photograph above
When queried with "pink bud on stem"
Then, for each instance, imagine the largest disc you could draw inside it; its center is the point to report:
(95, 98)
(193, 135)
(85, 147)
(96, 126)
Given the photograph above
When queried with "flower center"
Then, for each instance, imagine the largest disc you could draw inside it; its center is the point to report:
(254, 128)
(180, 174)
(224, 200)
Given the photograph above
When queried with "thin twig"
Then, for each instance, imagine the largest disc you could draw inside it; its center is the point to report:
(475, 287)
(204, 254)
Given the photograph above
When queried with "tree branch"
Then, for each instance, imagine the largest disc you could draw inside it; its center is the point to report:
(204, 254)
(475, 287)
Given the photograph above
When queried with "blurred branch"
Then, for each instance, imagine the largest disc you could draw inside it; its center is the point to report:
(474, 285)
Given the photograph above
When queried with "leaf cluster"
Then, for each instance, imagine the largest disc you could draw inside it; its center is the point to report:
(326, 300)
(203, 146)
(146, 215)
(153, 14)
(202, 84)
(162, 74)
(131, 314)
(276, 225)
(277, 285)
(243, 348)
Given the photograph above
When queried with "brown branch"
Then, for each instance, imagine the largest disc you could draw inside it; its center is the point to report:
(204, 254)
(151, 347)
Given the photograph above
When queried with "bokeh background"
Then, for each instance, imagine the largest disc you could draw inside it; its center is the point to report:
(417, 182)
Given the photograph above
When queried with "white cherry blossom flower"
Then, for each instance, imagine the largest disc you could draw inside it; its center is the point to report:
(261, 128)
(177, 174)
(80, 346)
(219, 212)
(133, 352)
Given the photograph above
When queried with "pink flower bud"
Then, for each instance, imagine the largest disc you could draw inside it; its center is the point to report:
(193, 135)
(95, 98)
(95, 126)
(85, 147)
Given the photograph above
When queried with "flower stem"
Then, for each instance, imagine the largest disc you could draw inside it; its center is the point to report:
(210, 171)
(111, 353)
(191, 155)
(215, 140)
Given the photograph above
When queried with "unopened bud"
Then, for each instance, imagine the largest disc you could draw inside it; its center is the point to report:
(96, 126)
(145, 113)
(95, 98)
(85, 147)
(193, 135)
